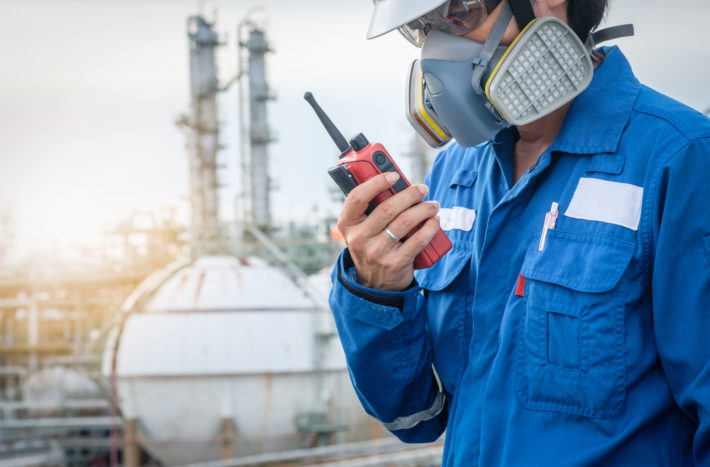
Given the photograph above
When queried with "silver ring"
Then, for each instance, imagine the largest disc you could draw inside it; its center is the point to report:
(391, 235)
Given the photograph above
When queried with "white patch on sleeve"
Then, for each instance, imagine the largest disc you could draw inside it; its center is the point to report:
(457, 218)
(605, 201)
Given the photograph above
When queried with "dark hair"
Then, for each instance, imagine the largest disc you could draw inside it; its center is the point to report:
(584, 16)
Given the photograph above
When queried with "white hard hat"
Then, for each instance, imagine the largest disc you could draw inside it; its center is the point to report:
(391, 14)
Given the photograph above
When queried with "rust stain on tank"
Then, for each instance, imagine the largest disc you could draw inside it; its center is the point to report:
(239, 279)
(268, 394)
(198, 289)
(179, 287)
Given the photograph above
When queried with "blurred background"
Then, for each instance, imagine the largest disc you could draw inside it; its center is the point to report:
(166, 219)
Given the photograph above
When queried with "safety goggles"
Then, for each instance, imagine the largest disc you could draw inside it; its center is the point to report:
(456, 17)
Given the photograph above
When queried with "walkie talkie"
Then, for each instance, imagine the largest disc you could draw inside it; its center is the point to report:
(361, 160)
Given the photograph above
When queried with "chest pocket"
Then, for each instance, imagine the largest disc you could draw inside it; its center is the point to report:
(570, 357)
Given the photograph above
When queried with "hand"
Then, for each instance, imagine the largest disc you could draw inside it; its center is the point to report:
(382, 263)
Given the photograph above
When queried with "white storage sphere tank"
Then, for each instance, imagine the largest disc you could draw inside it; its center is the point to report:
(223, 338)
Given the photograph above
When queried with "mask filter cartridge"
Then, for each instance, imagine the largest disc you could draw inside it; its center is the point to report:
(546, 67)
(420, 112)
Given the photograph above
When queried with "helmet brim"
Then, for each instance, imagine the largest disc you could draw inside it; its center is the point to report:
(391, 14)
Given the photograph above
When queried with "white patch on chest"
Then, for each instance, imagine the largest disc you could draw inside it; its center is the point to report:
(605, 201)
(457, 218)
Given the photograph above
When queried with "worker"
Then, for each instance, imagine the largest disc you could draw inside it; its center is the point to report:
(570, 322)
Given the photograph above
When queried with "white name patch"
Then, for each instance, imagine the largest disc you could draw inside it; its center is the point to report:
(605, 201)
(457, 218)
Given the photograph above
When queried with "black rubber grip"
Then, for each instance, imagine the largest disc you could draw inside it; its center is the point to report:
(342, 178)
(346, 182)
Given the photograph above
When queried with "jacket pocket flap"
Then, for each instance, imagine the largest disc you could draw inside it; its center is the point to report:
(464, 177)
(584, 263)
(444, 271)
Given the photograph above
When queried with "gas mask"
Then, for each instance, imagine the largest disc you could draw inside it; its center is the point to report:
(468, 90)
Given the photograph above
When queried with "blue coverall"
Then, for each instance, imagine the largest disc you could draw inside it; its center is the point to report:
(588, 347)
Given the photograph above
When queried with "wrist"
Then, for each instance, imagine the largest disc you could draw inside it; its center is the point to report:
(399, 286)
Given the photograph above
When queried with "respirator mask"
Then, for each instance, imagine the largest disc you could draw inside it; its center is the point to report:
(469, 90)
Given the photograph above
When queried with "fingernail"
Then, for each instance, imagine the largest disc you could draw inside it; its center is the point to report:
(392, 177)
(436, 205)
(423, 189)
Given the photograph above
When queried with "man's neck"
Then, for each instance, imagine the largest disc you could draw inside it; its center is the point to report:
(535, 138)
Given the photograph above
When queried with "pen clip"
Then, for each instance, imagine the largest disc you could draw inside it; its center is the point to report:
(550, 224)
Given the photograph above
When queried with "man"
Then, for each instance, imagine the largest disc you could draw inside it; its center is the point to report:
(569, 323)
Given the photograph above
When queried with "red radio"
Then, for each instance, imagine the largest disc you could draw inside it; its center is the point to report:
(361, 160)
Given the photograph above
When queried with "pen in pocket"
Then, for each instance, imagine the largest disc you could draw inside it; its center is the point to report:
(550, 222)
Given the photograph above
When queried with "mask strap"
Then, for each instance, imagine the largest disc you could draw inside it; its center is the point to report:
(491, 5)
(614, 32)
(480, 63)
(523, 11)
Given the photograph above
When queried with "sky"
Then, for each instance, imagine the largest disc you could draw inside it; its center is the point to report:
(90, 91)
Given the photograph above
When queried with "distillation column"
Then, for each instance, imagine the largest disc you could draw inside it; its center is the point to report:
(203, 137)
(256, 163)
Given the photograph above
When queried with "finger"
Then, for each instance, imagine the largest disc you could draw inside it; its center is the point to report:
(420, 239)
(385, 213)
(371, 246)
(412, 217)
(358, 200)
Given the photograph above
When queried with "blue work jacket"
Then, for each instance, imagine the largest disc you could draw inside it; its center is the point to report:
(571, 336)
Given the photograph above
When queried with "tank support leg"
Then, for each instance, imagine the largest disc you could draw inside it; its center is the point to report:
(131, 448)
(228, 438)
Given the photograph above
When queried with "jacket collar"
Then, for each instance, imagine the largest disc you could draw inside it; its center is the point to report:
(598, 116)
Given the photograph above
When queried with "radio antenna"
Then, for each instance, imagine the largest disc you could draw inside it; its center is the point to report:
(330, 127)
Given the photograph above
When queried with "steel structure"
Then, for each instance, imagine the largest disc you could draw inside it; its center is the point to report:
(244, 350)
(256, 184)
(203, 137)
(61, 320)
(51, 319)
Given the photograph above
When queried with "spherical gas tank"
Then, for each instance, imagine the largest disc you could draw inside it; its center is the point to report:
(224, 341)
